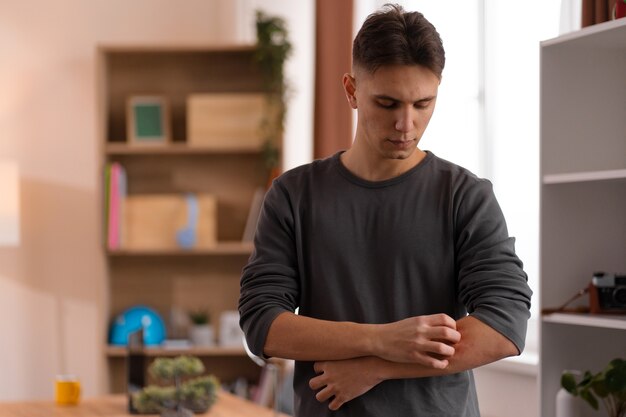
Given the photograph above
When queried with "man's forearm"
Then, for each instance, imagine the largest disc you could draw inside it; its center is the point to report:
(480, 344)
(426, 340)
(341, 381)
(306, 339)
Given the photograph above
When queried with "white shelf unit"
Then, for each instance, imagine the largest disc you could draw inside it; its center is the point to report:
(608, 175)
(591, 320)
(583, 197)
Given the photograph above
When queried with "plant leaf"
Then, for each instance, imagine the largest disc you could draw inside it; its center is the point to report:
(586, 381)
(616, 379)
(588, 396)
(600, 388)
(569, 383)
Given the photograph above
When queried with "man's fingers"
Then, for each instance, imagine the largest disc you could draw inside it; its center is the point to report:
(434, 363)
(438, 348)
(324, 394)
(317, 382)
(329, 394)
(439, 326)
(444, 334)
(335, 404)
(441, 320)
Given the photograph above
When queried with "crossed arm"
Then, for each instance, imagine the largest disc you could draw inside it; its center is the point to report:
(352, 358)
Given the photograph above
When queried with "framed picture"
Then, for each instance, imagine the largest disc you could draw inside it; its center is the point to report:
(148, 120)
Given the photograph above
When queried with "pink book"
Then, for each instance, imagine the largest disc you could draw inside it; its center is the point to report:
(114, 207)
(121, 199)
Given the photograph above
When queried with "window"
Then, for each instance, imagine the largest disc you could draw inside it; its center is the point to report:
(487, 116)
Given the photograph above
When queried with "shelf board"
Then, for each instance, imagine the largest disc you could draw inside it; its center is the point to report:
(608, 175)
(222, 248)
(176, 47)
(604, 35)
(175, 148)
(605, 321)
(122, 351)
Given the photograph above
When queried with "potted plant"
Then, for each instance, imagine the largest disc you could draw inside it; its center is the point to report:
(191, 393)
(272, 50)
(609, 385)
(201, 331)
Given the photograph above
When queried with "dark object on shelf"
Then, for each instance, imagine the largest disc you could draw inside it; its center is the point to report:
(136, 367)
(607, 293)
(563, 307)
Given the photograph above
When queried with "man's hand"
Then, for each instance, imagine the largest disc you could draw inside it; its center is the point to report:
(347, 379)
(341, 381)
(425, 340)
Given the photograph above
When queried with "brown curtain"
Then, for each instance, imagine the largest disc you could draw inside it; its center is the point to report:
(597, 11)
(333, 51)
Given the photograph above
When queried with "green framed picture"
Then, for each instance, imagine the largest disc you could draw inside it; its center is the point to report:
(148, 120)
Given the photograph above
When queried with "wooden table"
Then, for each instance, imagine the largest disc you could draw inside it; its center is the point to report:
(227, 405)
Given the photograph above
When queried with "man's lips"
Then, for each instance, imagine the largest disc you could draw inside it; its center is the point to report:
(402, 143)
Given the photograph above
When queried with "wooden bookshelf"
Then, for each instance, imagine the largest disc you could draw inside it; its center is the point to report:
(180, 280)
(221, 249)
(175, 148)
(213, 351)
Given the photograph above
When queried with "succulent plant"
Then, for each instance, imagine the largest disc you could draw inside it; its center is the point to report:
(186, 395)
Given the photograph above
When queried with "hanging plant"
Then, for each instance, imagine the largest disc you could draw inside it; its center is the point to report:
(272, 50)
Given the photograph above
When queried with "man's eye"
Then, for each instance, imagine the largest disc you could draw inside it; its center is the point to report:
(387, 104)
(421, 104)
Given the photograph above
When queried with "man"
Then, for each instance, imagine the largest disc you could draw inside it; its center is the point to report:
(385, 248)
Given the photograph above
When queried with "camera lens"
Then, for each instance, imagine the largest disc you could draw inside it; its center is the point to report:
(619, 295)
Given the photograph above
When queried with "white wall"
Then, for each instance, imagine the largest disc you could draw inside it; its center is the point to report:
(490, 89)
(507, 392)
(53, 286)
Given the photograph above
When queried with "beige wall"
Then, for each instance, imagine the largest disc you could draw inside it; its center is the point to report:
(53, 285)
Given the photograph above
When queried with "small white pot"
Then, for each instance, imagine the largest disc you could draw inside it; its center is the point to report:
(202, 335)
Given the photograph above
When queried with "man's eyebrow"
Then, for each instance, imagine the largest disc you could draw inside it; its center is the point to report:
(386, 97)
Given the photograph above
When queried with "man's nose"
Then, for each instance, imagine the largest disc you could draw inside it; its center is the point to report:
(404, 122)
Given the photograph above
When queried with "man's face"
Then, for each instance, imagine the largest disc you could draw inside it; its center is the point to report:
(394, 107)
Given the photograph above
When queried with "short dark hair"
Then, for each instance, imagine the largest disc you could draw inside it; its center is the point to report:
(393, 36)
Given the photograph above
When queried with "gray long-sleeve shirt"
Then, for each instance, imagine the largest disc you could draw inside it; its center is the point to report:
(432, 240)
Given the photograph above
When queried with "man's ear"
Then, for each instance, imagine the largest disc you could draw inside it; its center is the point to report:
(349, 87)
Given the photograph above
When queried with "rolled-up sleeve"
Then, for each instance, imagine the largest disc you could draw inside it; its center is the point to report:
(269, 284)
(492, 283)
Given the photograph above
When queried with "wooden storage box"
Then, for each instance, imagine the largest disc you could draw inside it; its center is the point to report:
(225, 120)
(151, 222)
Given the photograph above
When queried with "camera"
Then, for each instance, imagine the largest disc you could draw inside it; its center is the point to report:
(607, 293)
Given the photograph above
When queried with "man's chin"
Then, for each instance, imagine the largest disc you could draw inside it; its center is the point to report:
(401, 154)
